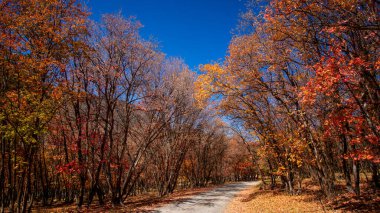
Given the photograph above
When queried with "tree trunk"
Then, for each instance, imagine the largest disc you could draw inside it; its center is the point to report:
(356, 171)
(375, 176)
(346, 170)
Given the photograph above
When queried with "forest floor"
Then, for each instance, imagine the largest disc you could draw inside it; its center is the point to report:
(245, 199)
(256, 199)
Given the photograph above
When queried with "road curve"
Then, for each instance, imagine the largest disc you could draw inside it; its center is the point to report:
(215, 200)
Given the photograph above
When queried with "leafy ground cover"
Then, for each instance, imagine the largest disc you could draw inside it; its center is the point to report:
(258, 199)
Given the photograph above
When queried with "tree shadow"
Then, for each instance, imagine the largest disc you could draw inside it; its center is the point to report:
(255, 194)
(368, 201)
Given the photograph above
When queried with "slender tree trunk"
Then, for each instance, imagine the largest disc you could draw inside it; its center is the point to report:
(346, 170)
(356, 171)
(272, 177)
(375, 176)
(300, 177)
(28, 186)
(2, 174)
(290, 182)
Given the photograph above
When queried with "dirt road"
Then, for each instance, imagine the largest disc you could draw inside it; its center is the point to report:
(215, 200)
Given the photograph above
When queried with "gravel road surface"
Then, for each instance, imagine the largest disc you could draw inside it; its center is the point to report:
(215, 200)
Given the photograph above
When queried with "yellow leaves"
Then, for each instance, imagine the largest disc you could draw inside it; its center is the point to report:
(202, 89)
(295, 158)
(207, 84)
(26, 113)
(280, 171)
(213, 69)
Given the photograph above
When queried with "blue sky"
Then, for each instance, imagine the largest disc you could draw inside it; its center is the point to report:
(198, 31)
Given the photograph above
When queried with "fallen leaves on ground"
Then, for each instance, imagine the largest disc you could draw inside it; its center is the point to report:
(256, 200)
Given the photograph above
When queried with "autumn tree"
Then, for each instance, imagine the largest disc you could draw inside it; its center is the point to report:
(37, 39)
(304, 81)
(173, 94)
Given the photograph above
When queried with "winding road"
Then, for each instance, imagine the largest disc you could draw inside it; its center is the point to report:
(215, 200)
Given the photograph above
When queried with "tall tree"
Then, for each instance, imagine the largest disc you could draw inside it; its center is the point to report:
(37, 38)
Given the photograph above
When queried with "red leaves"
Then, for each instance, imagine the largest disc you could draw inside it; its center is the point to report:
(334, 73)
(69, 168)
(373, 139)
(338, 82)
(244, 168)
(363, 155)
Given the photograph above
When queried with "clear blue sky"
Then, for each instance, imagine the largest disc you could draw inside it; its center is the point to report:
(197, 31)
